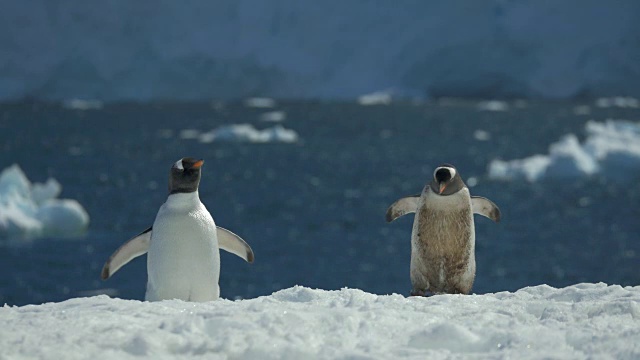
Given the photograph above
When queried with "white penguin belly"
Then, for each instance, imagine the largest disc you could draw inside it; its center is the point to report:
(183, 260)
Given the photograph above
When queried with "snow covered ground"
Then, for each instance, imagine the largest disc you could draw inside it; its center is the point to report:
(30, 211)
(576, 322)
(286, 48)
(613, 145)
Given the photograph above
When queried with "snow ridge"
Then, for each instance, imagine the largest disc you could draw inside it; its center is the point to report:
(579, 321)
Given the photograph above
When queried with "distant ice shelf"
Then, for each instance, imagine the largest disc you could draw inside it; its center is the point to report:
(611, 146)
(577, 322)
(32, 210)
(282, 49)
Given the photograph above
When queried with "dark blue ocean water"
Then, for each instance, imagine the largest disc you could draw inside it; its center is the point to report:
(314, 211)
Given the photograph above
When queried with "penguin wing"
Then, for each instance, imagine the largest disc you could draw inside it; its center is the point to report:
(234, 244)
(485, 207)
(133, 248)
(403, 206)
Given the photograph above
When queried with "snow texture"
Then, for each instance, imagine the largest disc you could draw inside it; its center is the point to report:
(612, 146)
(141, 50)
(30, 211)
(576, 322)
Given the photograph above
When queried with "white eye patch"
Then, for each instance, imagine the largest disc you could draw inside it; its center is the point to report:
(178, 165)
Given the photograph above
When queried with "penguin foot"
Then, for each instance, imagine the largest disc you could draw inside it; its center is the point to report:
(424, 293)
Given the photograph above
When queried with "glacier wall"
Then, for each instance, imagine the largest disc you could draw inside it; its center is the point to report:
(143, 49)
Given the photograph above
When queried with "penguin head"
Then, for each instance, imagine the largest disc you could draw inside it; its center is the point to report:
(184, 176)
(446, 180)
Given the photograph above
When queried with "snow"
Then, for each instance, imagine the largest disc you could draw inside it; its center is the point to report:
(613, 145)
(282, 48)
(576, 322)
(29, 211)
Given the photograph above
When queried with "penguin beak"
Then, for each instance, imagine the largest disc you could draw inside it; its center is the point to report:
(198, 164)
(442, 187)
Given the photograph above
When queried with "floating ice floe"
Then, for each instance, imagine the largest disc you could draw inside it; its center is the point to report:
(273, 116)
(30, 211)
(493, 105)
(259, 102)
(577, 322)
(248, 133)
(375, 98)
(482, 135)
(613, 145)
(80, 104)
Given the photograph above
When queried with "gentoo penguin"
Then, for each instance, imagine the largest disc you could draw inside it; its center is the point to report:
(183, 260)
(443, 236)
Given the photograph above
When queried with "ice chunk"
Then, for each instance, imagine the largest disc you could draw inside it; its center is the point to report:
(493, 105)
(375, 98)
(618, 101)
(30, 211)
(189, 134)
(569, 159)
(612, 146)
(481, 135)
(273, 116)
(248, 133)
(259, 102)
(531, 168)
(47, 191)
(80, 104)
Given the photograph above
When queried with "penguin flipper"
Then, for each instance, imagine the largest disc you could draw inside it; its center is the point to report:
(486, 208)
(133, 248)
(234, 244)
(403, 206)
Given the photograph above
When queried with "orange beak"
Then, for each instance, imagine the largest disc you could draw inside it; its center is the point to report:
(197, 164)
(442, 187)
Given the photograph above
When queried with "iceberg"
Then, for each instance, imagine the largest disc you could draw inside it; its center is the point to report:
(29, 211)
(613, 145)
(578, 321)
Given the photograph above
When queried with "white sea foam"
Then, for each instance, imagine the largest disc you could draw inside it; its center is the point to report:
(579, 321)
(248, 133)
(612, 145)
(30, 211)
